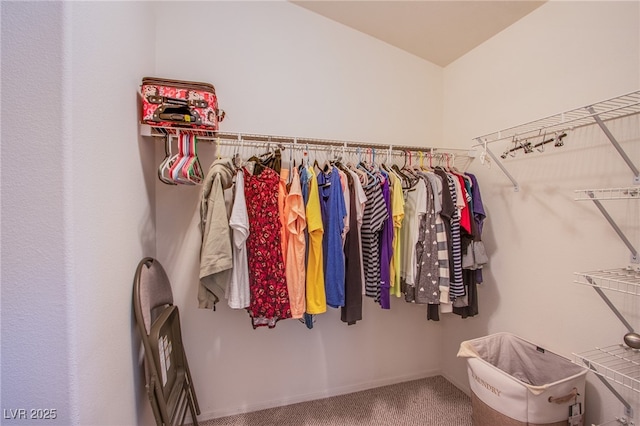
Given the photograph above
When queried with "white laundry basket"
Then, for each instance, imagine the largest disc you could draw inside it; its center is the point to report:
(516, 383)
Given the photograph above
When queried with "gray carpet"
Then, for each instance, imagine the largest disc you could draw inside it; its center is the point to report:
(433, 401)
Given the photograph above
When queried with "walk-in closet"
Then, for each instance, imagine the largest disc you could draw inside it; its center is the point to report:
(544, 113)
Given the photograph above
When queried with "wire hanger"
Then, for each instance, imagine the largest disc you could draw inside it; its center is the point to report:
(237, 159)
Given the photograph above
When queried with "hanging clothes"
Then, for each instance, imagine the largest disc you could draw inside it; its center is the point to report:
(315, 290)
(333, 211)
(299, 240)
(269, 294)
(386, 249)
(216, 260)
(442, 244)
(305, 180)
(296, 224)
(452, 227)
(375, 214)
(397, 209)
(463, 202)
(472, 274)
(360, 203)
(415, 206)
(282, 195)
(351, 312)
(238, 295)
(346, 195)
(426, 287)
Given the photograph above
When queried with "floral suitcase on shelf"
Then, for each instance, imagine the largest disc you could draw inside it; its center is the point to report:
(176, 103)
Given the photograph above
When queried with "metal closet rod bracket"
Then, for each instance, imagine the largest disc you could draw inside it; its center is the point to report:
(516, 186)
(635, 258)
(616, 145)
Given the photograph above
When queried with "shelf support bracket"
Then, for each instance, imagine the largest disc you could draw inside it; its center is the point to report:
(616, 145)
(516, 187)
(634, 253)
(627, 407)
(610, 305)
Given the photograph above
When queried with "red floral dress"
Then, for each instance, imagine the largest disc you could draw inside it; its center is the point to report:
(267, 283)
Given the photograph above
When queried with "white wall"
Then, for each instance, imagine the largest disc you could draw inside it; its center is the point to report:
(280, 69)
(78, 196)
(113, 198)
(35, 250)
(562, 56)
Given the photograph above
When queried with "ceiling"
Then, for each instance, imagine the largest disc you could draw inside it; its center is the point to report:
(439, 31)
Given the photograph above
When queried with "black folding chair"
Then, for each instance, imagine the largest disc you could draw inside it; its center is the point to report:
(168, 379)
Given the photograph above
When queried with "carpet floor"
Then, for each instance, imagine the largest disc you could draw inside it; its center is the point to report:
(433, 401)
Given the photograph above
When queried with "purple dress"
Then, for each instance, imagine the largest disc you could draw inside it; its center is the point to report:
(386, 249)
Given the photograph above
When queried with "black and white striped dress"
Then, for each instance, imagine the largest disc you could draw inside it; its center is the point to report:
(375, 214)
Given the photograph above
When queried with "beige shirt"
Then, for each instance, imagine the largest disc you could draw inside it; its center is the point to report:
(216, 259)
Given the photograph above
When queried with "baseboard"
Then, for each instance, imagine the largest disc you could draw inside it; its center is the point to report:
(464, 387)
(326, 393)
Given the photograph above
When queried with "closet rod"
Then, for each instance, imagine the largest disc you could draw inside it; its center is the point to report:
(212, 136)
(378, 150)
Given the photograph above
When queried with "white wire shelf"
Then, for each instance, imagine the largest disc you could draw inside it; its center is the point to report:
(534, 135)
(617, 422)
(623, 280)
(632, 192)
(614, 108)
(617, 363)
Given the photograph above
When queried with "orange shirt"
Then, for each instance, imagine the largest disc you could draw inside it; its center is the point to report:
(295, 219)
(282, 195)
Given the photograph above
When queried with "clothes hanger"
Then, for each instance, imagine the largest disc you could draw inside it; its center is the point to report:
(194, 172)
(422, 165)
(430, 155)
(454, 169)
(259, 160)
(401, 175)
(180, 173)
(172, 162)
(237, 159)
(350, 165)
(410, 170)
(418, 167)
(386, 167)
(328, 163)
(439, 165)
(372, 179)
(362, 176)
(166, 163)
(305, 156)
(291, 166)
(179, 159)
(541, 144)
(421, 160)
(559, 139)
